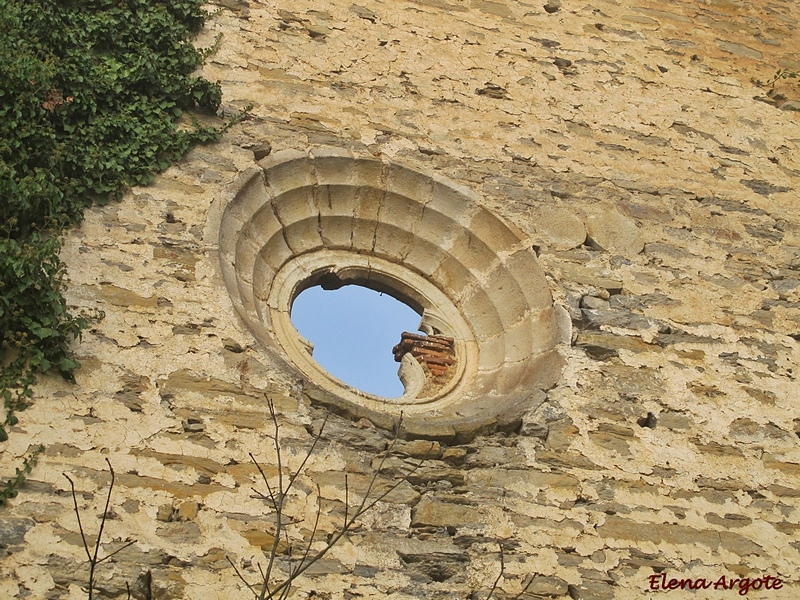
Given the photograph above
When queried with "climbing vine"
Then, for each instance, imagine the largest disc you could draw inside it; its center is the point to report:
(95, 96)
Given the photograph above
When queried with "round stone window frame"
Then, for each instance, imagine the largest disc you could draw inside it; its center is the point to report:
(332, 217)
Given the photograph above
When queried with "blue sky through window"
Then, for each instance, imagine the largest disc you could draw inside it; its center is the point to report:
(353, 330)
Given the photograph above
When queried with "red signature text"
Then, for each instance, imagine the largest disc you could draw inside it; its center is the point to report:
(743, 585)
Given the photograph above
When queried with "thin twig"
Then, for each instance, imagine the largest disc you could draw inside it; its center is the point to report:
(525, 589)
(362, 508)
(278, 504)
(346, 498)
(499, 575)
(308, 454)
(250, 587)
(78, 514)
(93, 558)
(271, 498)
(277, 498)
(287, 589)
(127, 545)
(148, 585)
(316, 524)
(93, 563)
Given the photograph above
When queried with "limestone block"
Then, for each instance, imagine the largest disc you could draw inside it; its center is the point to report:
(507, 295)
(453, 276)
(546, 330)
(337, 168)
(558, 228)
(518, 341)
(483, 314)
(303, 235)
(392, 241)
(251, 197)
(336, 205)
(247, 249)
(432, 512)
(471, 252)
(401, 211)
(459, 202)
(510, 376)
(275, 252)
(287, 170)
(498, 236)
(613, 231)
(409, 183)
(368, 206)
(296, 206)
(262, 225)
(530, 279)
(425, 256)
(492, 353)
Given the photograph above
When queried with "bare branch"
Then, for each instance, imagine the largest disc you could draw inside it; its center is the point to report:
(277, 502)
(93, 558)
(499, 575)
(260, 495)
(393, 487)
(288, 588)
(351, 514)
(120, 549)
(273, 500)
(525, 589)
(308, 454)
(314, 529)
(346, 498)
(363, 507)
(105, 512)
(78, 515)
(244, 581)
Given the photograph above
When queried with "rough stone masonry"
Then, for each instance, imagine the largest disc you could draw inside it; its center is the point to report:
(660, 185)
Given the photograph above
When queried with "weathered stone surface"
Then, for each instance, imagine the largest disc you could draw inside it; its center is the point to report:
(558, 227)
(561, 434)
(668, 442)
(594, 590)
(527, 482)
(614, 232)
(119, 296)
(13, 530)
(601, 345)
(547, 586)
(728, 520)
(583, 275)
(624, 529)
(622, 319)
(431, 512)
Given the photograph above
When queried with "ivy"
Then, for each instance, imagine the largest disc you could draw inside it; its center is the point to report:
(779, 74)
(9, 490)
(94, 96)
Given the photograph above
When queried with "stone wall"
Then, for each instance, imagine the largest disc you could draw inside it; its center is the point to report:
(659, 185)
